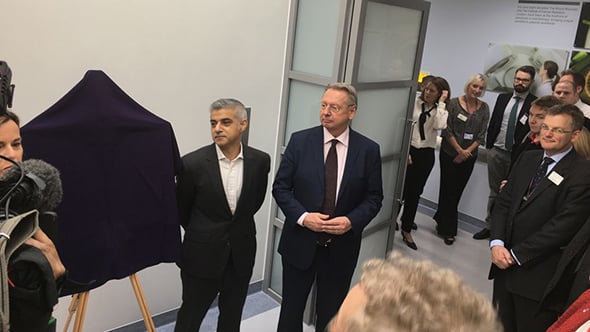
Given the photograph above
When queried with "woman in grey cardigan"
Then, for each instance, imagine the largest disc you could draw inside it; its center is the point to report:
(466, 129)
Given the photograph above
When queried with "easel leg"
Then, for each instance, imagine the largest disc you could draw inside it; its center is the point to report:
(78, 308)
(145, 311)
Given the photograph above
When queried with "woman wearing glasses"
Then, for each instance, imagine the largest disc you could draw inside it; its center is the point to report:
(466, 130)
(430, 115)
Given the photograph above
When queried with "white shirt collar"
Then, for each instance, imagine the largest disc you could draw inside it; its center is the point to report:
(221, 156)
(343, 138)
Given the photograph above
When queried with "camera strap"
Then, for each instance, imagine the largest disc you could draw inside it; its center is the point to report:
(13, 233)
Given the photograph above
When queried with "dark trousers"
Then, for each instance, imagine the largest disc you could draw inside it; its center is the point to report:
(332, 281)
(453, 179)
(199, 293)
(416, 176)
(517, 313)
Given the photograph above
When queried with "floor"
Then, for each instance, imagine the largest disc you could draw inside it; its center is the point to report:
(468, 257)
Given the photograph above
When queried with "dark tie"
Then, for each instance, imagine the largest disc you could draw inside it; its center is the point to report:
(511, 125)
(330, 184)
(422, 119)
(540, 174)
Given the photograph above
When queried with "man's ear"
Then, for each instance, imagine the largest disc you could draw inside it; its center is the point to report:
(243, 125)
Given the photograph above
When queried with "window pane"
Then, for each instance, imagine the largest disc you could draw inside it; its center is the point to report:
(304, 107)
(315, 36)
(381, 115)
(389, 43)
(373, 246)
(276, 272)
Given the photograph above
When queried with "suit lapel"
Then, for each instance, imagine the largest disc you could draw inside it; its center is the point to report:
(562, 168)
(247, 177)
(316, 146)
(351, 157)
(215, 177)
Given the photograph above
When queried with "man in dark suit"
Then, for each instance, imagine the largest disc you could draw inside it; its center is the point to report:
(545, 203)
(507, 126)
(219, 190)
(329, 187)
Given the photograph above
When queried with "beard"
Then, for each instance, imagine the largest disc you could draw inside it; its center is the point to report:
(520, 88)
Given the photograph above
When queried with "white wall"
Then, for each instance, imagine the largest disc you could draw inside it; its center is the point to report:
(174, 57)
(455, 48)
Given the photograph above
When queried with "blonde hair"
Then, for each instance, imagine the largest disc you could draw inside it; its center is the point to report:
(406, 295)
(582, 143)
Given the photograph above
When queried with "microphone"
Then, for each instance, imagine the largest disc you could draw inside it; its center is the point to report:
(40, 187)
(6, 89)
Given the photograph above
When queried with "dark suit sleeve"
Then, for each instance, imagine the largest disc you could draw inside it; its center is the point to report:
(368, 208)
(502, 205)
(282, 188)
(561, 228)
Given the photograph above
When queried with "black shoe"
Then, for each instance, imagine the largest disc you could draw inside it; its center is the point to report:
(396, 226)
(482, 235)
(414, 226)
(409, 243)
(449, 240)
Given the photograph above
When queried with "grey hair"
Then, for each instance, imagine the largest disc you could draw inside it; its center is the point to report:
(230, 103)
(345, 87)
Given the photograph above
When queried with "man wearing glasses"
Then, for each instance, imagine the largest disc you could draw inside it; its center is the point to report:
(508, 125)
(329, 188)
(542, 207)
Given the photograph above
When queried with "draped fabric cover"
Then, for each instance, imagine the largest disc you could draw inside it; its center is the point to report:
(117, 162)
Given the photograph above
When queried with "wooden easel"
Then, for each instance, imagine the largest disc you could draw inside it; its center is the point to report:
(80, 301)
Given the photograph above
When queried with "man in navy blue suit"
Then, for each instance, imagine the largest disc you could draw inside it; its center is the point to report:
(329, 188)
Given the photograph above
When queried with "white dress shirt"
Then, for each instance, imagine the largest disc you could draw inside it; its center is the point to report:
(232, 173)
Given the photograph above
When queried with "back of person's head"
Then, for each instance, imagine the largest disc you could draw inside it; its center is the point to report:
(551, 67)
(407, 295)
(582, 143)
(9, 116)
(546, 102)
(577, 117)
(527, 69)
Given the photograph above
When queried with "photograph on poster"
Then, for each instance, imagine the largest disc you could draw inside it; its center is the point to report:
(502, 60)
(580, 62)
(583, 34)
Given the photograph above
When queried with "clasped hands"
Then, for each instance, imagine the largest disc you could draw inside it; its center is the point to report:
(462, 155)
(501, 257)
(319, 222)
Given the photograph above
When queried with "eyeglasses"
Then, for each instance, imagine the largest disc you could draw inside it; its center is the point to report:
(523, 80)
(334, 108)
(557, 131)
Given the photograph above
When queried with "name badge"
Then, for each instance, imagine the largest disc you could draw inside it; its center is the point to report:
(523, 119)
(468, 136)
(555, 178)
(462, 117)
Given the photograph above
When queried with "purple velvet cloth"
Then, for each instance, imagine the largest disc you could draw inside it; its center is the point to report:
(117, 162)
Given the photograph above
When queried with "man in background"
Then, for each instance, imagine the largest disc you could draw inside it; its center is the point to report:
(329, 188)
(508, 125)
(219, 190)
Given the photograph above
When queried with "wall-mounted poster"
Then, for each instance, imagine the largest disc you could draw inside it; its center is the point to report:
(582, 34)
(580, 62)
(502, 60)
